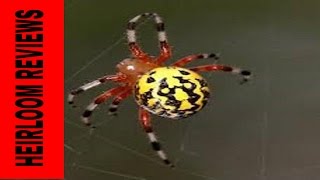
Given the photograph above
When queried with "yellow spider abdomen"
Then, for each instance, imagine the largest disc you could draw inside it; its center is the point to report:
(171, 92)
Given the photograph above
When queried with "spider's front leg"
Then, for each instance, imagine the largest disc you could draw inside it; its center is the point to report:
(165, 49)
(135, 49)
(215, 67)
(188, 59)
(145, 121)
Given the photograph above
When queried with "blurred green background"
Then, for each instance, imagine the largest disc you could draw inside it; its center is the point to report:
(267, 129)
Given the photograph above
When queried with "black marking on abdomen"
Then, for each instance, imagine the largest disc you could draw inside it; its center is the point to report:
(146, 96)
(181, 80)
(202, 82)
(150, 80)
(183, 72)
(163, 83)
(172, 101)
(152, 73)
(193, 97)
(206, 93)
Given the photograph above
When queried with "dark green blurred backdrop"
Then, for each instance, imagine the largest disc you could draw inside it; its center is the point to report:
(267, 129)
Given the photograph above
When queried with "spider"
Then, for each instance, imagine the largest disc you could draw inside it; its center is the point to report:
(172, 91)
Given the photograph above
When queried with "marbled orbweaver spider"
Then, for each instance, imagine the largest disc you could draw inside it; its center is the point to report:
(169, 91)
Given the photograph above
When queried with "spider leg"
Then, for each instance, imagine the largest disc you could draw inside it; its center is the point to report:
(99, 81)
(116, 101)
(100, 99)
(145, 121)
(165, 50)
(215, 67)
(183, 61)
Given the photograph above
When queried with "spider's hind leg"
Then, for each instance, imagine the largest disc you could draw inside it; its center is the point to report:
(145, 121)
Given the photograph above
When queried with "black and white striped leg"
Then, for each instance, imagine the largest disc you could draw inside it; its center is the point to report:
(144, 118)
(246, 75)
(92, 84)
(188, 59)
(162, 37)
(100, 99)
(117, 100)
